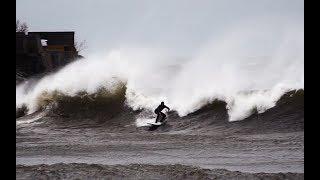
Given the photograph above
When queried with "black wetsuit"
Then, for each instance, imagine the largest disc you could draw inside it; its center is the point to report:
(158, 112)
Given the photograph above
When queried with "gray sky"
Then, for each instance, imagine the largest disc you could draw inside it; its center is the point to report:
(179, 25)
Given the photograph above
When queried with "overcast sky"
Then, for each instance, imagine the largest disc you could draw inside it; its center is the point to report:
(179, 25)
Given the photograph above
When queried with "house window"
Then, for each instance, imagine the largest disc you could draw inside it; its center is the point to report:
(44, 42)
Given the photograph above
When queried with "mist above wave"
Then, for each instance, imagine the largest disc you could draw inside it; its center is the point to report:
(238, 68)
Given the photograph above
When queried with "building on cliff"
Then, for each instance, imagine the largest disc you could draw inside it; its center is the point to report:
(39, 52)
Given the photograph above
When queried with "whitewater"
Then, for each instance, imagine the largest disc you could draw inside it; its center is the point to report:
(234, 68)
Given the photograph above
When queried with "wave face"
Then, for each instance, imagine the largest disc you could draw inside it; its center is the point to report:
(110, 111)
(244, 67)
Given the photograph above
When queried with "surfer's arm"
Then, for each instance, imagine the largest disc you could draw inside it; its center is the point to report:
(167, 108)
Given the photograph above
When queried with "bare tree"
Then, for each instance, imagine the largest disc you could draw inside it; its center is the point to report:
(21, 27)
(17, 25)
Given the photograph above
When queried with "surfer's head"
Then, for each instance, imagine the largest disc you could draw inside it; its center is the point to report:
(162, 103)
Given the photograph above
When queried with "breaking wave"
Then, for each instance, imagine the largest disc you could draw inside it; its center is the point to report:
(105, 106)
(235, 69)
(116, 92)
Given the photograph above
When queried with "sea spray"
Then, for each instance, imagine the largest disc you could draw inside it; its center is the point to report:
(236, 68)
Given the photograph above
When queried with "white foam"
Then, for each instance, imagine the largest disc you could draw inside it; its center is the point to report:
(227, 69)
(31, 119)
(140, 122)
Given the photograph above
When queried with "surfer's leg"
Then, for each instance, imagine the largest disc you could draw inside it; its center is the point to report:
(163, 116)
(157, 117)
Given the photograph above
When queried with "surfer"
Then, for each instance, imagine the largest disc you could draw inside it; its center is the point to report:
(159, 113)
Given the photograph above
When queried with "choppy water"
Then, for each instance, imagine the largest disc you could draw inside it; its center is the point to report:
(270, 142)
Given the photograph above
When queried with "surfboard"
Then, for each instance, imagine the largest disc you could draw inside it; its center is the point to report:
(158, 123)
(155, 124)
